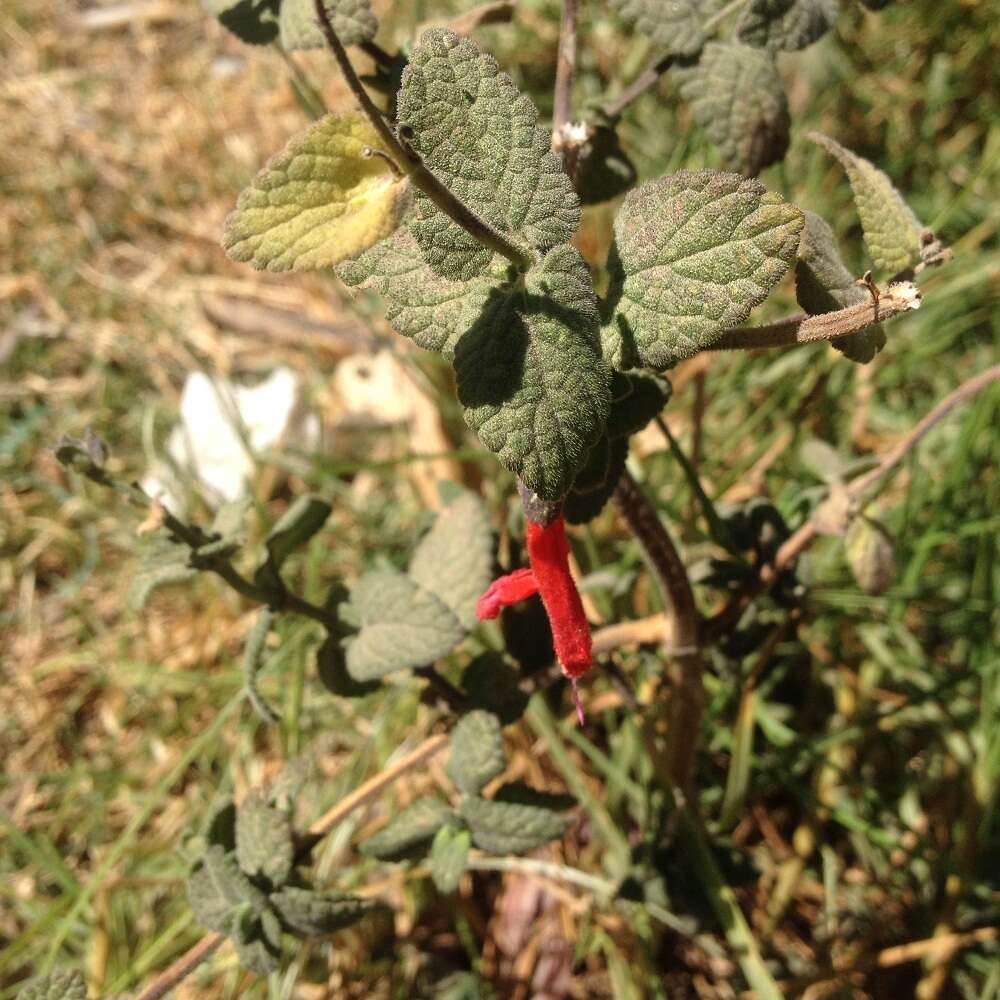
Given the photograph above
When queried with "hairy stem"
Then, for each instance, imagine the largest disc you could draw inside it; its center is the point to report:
(563, 100)
(805, 329)
(687, 694)
(410, 164)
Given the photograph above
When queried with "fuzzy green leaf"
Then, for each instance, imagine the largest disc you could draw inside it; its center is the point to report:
(323, 199)
(252, 21)
(637, 400)
(352, 20)
(217, 889)
(480, 136)
(64, 984)
(786, 25)
(477, 755)
(449, 854)
(673, 26)
(403, 625)
(296, 526)
(454, 560)
(695, 252)
(263, 840)
(589, 494)
(870, 554)
(431, 310)
(530, 374)
(892, 232)
(415, 826)
(739, 100)
(508, 828)
(257, 939)
(253, 656)
(331, 665)
(824, 284)
(305, 911)
(162, 563)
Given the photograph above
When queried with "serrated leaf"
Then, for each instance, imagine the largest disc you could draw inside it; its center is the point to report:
(870, 555)
(252, 21)
(331, 665)
(431, 310)
(257, 939)
(264, 844)
(415, 826)
(454, 560)
(217, 888)
(477, 755)
(787, 25)
(604, 170)
(531, 378)
(480, 136)
(738, 98)
(449, 854)
(352, 20)
(508, 828)
(585, 502)
(63, 984)
(892, 232)
(673, 26)
(637, 400)
(402, 626)
(162, 563)
(694, 253)
(305, 911)
(320, 201)
(490, 683)
(824, 284)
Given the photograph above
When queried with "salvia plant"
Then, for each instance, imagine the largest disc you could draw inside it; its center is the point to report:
(445, 197)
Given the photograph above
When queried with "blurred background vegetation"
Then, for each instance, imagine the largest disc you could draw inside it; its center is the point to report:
(851, 760)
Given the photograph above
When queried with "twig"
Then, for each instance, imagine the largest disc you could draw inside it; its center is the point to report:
(563, 100)
(857, 491)
(804, 329)
(638, 87)
(685, 672)
(361, 796)
(410, 164)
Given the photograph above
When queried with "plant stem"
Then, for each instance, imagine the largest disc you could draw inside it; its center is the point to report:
(638, 87)
(805, 329)
(410, 164)
(687, 694)
(563, 101)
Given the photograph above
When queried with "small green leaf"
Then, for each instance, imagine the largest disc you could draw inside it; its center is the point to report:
(220, 830)
(477, 755)
(786, 25)
(674, 27)
(252, 21)
(449, 854)
(264, 844)
(490, 683)
(414, 827)
(296, 526)
(824, 284)
(604, 170)
(402, 626)
(352, 20)
(217, 889)
(253, 653)
(508, 828)
(257, 939)
(739, 100)
(480, 136)
(454, 560)
(587, 499)
(695, 252)
(307, 912)
(892, 232)
(64, 984)
(530, 375)
(637, 400)
(323, 199)
(162, 563)
(431, 310)
(870, 554)
(331, 665)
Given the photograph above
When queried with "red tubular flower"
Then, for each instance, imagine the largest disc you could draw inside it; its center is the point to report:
(550, 577)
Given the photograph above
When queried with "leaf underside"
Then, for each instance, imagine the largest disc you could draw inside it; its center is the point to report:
(694, 253)
(786, 25)
(739, 100)
(509, 828)
(352, 20)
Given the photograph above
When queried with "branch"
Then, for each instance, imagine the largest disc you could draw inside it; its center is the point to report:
(410, 164)
(361, 796)
(638, 87)
(685, 672)
(805, 329)
(562, 143)
(857, 491)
